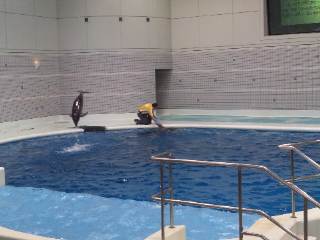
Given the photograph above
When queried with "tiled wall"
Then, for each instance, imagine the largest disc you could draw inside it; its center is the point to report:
(282, 77)
(119, 81)
(217, 49)
(223, 59)
(27, 92)
(81, 45)
(137, 37)
(28, 32)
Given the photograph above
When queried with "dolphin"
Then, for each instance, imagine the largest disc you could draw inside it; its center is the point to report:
(77, 108)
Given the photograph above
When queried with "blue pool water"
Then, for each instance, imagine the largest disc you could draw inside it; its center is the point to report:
(116, 165)
(243, 119)
(82, 216)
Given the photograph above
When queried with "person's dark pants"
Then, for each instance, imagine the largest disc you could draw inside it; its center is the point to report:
(144, 119)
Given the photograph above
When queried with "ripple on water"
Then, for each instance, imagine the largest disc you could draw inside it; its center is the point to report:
(77, 216)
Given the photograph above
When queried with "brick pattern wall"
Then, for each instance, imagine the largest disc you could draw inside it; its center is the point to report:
(118, 82)
(283, 77)
(26, 92)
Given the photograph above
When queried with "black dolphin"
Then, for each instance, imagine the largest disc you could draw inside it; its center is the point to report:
(77, 109)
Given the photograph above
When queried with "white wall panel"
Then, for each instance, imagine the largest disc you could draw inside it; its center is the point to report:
(246, 27)
(246, 5)
(104, 33)
(135, 33)
(212, 33)
(136, 7)
(160, 34)
(103, 7)
(46, 8)
(47, 33)
(184, 8)
(20, 6)
(72, 34)
(185, 32)
(2, 5)
(161, 8)
(2, 30)
(20, 31)
(211, 7)
(71, 8)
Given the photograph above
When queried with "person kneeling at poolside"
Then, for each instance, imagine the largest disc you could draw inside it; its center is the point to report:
(146, 114)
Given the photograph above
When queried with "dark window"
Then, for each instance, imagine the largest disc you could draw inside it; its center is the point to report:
(293, 16)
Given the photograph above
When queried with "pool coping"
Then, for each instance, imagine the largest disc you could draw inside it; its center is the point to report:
(62, 124)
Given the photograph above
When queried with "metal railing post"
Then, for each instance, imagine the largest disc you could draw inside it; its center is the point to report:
(162, 203)
(240, 203)
(164, 159)
(293, 195)
(171, 196)
(305, 219)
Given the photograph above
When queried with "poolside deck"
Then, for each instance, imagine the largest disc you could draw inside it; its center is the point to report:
(62, 124)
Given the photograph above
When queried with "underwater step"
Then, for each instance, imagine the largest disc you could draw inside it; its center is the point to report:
(176, 233)
(93, 128)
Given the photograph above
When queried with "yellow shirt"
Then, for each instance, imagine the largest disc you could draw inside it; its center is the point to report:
(147, 108)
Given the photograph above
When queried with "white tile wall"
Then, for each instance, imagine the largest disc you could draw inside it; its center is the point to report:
(72, 34)
(46, 8)
(104, 33)
(160, 34)
(136, 7)
(184, 8)
(211, 7)
(47, 33)
(103, 7)
(161, 8)
(185, 33)
(212, 33)
(71, 8)
(246, 5)
(135, 33)
(20, 6)
(28, 24)
(246, 27)
(221, 23)
(20, 31)
(2, 30)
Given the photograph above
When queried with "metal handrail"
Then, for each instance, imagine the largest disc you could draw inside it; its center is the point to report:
(261, 213)
(294, 148)
(168, 159)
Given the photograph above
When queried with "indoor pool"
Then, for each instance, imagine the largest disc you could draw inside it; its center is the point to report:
(98, 167)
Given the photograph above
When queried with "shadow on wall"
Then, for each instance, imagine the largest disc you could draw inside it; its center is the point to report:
(162, 85)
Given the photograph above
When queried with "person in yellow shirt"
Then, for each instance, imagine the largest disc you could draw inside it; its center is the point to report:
(146, 114)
